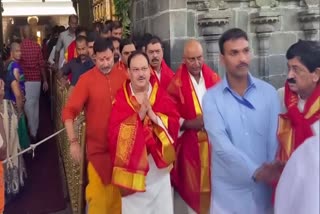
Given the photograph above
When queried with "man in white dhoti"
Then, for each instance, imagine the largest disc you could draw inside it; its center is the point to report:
(142, 128)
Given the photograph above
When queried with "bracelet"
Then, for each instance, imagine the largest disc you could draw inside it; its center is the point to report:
(73, 140)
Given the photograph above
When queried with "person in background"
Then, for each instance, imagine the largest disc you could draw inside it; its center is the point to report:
(33, 66)
(71, 51)
(116, 45)
(92, 36)
(116, 29)
(191, 173)
(77, 66)
(161, 71)
(127, 47)
(105, 31)
(65, 38)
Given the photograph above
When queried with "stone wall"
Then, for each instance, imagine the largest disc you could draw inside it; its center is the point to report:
(272, 27)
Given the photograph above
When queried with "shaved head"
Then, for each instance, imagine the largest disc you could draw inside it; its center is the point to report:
(15, 51)
(14, 46)
(192, 46)
(193, 57)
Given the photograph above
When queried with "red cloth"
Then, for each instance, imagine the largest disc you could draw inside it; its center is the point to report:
(301, 125)
(186, 175)
(31, 60)
(71, 51)
(94, 93)
(165, 77)
(121, 67)
(131, 139)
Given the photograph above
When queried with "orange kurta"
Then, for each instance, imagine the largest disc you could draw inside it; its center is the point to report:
(94, 93)
(120, 67)
(191, 172)
(131, 140)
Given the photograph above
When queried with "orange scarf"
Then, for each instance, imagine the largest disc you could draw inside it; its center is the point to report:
(294, 126)
(191, 175)
(131, 140)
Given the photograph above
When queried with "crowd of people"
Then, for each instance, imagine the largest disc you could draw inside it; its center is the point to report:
(224, 145)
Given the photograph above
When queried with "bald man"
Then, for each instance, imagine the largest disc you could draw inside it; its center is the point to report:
(191, 173)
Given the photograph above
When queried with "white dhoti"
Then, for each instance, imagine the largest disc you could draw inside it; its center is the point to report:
(31, 107)
(158, 196)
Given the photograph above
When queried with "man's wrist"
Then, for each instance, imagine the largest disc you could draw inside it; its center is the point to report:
(73, 140)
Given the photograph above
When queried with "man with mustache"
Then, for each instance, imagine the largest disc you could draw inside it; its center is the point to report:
(191, 173)
(240, 117)
(161, 72)
(127, 47)
(143, 126)
(77, 66)
(95, 92)
(299, 131)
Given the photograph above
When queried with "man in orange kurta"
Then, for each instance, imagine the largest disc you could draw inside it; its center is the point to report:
(191, 173)
(94, 93)
(161, 71)
(142, 129)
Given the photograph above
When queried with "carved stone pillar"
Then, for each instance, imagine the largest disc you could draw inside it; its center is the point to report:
(309, 20)
(212, 26)
(265, 24)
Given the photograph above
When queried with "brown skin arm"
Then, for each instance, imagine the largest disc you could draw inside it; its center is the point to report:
(18, 95)
(195, 124)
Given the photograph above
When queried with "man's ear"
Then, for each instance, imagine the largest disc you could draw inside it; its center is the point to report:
(222, 59)
(184, 60)
(316, 75)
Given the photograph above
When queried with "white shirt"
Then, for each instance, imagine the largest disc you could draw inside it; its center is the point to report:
(298, 188)
(200, 89)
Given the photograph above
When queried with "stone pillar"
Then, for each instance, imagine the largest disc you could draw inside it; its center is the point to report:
(212, 26)
(265, 25)
(309, 19)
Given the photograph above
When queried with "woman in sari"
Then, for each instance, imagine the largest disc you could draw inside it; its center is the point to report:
(12, 111)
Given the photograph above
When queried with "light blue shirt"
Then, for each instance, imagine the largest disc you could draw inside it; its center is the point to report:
(242, 131)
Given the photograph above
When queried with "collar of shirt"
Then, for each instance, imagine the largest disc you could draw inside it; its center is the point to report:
(148, 93)
(70, 34)
(87, 59)
(242, 100)
(201, 80)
